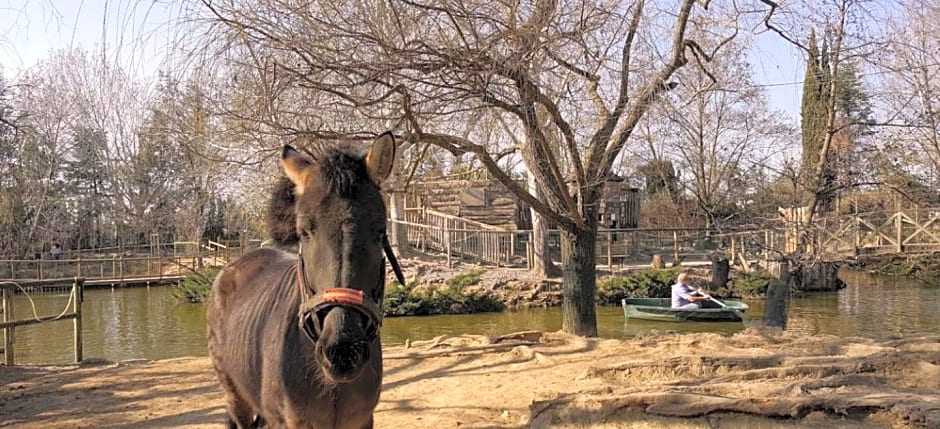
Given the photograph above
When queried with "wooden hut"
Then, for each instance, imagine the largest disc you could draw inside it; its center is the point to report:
(487, 201)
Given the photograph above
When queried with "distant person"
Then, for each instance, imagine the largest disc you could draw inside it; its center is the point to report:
(685, 296)
(56, 251)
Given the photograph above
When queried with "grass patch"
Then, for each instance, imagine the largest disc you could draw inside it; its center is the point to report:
(646, 283)
(195, 287)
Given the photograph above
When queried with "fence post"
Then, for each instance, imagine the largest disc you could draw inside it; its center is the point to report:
(610, 252)
(39, 264)
(447, 244)
(121, 268)
(528, 254)
(858, 235)
(733, 253)
(8, 332)
(675, 248)
(899, 226)
(78, 288)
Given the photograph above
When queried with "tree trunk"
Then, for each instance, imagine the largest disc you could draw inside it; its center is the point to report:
(775, 310)
(398, 232)
(542, 262)
(721, 269)
(820, 277)
(579, 284)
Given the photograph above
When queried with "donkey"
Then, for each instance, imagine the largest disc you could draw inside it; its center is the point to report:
(294, 339)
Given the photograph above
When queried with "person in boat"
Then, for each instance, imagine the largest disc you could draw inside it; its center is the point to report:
(685, 296)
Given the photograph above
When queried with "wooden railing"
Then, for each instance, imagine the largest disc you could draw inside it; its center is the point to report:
(877, 233)
(120, 268)
(466, 240)
(9, 324)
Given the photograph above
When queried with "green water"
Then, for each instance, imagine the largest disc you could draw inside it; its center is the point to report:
(149, 323)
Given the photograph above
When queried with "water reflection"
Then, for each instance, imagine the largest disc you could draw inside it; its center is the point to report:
(149, 323)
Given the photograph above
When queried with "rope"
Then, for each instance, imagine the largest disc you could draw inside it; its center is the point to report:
(33, 304)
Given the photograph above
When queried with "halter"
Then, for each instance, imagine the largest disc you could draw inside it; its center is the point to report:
(312, 304)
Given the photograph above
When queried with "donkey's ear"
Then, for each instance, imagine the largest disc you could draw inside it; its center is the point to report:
(296, 166)
(381, 158)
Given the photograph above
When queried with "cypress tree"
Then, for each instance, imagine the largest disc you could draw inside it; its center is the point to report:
(813, 122)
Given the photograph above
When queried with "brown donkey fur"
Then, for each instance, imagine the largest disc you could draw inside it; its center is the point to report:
(261, 305)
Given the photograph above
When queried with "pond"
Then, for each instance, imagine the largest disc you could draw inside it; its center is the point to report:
(150, 323)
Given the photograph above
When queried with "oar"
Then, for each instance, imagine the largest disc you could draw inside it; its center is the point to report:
(723, 305)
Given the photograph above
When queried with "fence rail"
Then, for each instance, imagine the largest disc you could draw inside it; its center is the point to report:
(10, 322)
(120, 268)
(911, 231)
(614, 247)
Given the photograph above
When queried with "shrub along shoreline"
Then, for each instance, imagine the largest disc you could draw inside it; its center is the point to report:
(459, 296)
(456, 297)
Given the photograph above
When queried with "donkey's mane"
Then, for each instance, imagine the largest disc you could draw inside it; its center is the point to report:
(340, 167)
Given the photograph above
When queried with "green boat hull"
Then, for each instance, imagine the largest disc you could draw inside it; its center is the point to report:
(660, 309)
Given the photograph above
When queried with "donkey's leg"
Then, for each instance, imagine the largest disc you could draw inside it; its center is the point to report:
(240, 415)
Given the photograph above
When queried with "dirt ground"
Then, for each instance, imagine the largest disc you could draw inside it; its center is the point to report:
(755, 379)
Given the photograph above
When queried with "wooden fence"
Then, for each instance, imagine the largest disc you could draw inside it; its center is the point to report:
(912, 231)
(120, 269)
(9, 324)
(461, 239)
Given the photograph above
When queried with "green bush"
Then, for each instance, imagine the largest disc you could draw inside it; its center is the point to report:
(195, 287)
(406, 301)
(750, 284)
(647, 283)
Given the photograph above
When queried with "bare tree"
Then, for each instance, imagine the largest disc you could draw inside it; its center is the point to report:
(912, 88)
(591, 69)
(719, 131)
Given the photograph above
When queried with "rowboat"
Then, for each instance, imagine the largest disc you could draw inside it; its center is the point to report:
(660, 309)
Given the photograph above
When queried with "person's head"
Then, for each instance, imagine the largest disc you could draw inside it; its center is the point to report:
(683, 277)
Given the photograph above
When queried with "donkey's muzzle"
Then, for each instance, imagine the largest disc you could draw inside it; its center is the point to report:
(343, 361)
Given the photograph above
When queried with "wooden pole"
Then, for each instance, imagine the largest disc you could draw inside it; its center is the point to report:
(858, 235)
(8, 332)
(78, 288)
(675, 248)
(447, 244)
(733, 254)
(610, 253)
(528, 254)
(121, 268)
(39, 262)
(899, 231)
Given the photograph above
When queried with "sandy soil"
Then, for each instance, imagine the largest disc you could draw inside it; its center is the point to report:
(754, 379)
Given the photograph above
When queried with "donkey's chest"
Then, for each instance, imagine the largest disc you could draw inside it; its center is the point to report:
(300, 398)
(321, 407)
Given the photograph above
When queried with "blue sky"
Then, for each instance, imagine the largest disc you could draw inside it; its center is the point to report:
(137, 33)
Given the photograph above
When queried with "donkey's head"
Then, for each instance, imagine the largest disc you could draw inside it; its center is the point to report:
(340, 222)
